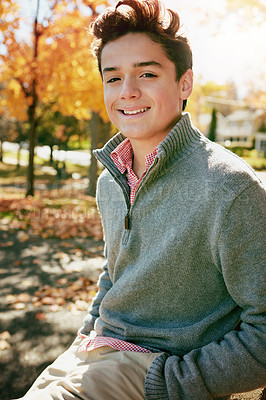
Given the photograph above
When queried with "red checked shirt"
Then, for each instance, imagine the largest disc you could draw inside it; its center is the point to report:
(123, 159)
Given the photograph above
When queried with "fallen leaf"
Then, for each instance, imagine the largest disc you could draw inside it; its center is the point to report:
(7, 244)
(66, 244)
(19, 306)
(47, 300)
(5, 335)
(81, 305)
(4, 345)
(22, 236)
(73, 308)
(10, 299)
(37, 304)
(36, 248)
(55, 308)
(60, 301)
(23, 298)
(62, 281)
(40, 316)
(18, 298)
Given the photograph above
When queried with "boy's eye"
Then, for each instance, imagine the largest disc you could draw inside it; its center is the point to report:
(148, 75)
(111, 80)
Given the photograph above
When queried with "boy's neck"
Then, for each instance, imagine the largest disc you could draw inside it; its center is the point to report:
(142, 147)
(140, 150)
(138, 166)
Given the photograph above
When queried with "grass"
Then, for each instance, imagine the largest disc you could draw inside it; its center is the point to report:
(23, 157)
(10, 174)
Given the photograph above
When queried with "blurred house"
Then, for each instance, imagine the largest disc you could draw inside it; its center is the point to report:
(242, 128)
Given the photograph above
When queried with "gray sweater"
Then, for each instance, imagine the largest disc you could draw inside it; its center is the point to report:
(185, 273)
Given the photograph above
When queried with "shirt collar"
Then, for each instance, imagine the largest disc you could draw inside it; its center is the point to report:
(122, 156)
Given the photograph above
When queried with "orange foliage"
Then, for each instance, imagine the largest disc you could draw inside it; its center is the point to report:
(74, 86)
(65, 73)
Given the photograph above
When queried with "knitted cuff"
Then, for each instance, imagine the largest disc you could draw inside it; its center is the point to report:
(154, 385)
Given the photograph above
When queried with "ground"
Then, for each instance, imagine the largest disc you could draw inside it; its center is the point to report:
(50, 258)
(42, 325)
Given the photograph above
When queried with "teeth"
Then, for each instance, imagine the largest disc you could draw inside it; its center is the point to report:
(135, 111)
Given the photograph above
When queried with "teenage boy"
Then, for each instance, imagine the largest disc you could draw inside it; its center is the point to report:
(179, 311)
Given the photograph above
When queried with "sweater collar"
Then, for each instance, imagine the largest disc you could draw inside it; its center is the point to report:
(181, 139)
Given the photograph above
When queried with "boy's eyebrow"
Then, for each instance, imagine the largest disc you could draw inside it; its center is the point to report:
(147, 64)
(136, 65)
(109, 69)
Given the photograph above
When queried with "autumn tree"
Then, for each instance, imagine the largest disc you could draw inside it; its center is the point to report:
(54, 69)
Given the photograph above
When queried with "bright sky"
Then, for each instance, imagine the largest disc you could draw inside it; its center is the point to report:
(223, 50)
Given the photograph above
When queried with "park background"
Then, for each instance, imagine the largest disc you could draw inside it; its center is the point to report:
(52, 116)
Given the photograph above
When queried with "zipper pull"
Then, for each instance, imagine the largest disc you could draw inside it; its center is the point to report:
(127, 221)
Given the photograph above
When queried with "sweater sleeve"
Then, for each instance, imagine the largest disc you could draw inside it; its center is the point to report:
(104, 284)
(237, 363)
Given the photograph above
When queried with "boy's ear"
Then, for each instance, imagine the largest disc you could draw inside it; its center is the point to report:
(186, 84)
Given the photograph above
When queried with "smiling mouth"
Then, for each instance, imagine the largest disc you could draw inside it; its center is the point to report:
(135, 112)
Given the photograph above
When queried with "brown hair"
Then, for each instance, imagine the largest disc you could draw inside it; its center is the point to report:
(143, 16)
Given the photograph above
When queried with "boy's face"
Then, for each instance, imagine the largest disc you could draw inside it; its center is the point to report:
(142, 95)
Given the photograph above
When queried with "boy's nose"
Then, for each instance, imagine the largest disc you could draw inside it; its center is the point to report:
(129, 89)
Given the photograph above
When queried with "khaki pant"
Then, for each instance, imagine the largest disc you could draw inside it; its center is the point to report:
(100, 374)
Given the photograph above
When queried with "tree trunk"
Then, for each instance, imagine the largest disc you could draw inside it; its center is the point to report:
(18, 156)
(51, 154)
(32, 110)
(30, 175)
(1, 150)
(95, 128)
